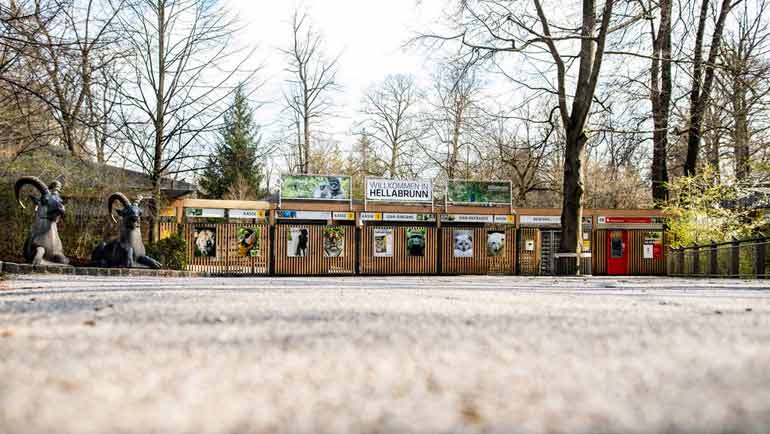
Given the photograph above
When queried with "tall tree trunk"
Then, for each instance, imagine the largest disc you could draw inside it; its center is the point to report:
(157, 168)
(572, 199)
(393, 160)
(306, 144)
(660, 98)
(701, 92)
(741, 129)
(591, 55)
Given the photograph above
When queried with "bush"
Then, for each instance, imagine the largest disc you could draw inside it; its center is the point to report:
(171, 252)
(703, 208)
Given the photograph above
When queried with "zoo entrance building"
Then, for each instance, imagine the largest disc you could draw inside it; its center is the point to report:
(315, 228)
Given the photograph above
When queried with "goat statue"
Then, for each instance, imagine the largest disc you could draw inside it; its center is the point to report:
(43, 245)
(127, 251)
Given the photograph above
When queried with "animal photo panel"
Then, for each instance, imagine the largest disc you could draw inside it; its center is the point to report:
(383, 242)
(415, 241)
(297, 242)
(462, 240)
(495, 243)
(205, 239)
(334, 241)
(249, 239)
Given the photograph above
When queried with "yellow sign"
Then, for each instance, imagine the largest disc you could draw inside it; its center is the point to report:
(168, 212)
(165, 232)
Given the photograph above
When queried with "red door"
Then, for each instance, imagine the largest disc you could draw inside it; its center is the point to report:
(617, 252)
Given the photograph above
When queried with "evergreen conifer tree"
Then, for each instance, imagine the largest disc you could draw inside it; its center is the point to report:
(235, 170)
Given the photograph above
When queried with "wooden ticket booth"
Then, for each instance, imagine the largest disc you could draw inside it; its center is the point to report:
(539, 237)
(398, 243)
(631, 244)
(226, 237)
(478, 243)
(314, 231)
(311, 243)
(399, 233)
(478, 228)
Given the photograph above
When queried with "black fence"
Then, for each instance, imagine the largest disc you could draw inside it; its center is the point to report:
(737, 258)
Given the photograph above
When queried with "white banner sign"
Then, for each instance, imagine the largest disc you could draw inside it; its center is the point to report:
(505, 219)
(343, 215)
(246, 213)
(205, 212)
(304, 215)
(540, 220)
(395, 190)
(467, 218)
(397, 217)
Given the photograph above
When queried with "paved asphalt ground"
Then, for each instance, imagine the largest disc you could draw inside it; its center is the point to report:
(439, 354)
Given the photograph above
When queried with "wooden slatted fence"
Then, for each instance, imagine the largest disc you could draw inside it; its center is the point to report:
(529, 260)
(317, 261)
(226, 256)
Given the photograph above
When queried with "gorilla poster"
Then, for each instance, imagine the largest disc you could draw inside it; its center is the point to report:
(315, 187)
(297, 242)
(415, 241)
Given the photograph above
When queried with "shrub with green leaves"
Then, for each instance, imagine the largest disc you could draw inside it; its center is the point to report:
(703, 208)
(171, 252)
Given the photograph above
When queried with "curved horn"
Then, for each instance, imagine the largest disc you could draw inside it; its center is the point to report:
(31, 180)
(119, 197)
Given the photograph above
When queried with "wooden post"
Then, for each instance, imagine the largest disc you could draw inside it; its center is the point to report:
(713, 262)
(759, 259)
(735, 258)
(695, 259)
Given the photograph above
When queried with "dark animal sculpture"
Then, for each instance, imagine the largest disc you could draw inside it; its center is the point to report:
(127, 251)
(43, 245)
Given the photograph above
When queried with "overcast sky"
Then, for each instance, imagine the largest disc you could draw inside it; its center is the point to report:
(369, 35)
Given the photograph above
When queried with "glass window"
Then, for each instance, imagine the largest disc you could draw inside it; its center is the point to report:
(616, 244)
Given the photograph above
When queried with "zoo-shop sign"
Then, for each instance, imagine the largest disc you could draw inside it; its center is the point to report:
(395, 190)
(397, 217)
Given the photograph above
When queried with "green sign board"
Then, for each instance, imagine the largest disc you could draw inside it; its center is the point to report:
(482, 192)
(315, 187)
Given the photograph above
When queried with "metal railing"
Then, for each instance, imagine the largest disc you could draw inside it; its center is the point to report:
(737, 258)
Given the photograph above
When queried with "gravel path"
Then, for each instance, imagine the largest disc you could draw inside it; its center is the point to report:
(337, 355)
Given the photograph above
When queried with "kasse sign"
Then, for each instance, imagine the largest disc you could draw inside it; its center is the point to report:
(395, 190)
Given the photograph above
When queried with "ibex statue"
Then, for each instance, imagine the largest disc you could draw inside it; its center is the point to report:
(127, 250)
(43, 245)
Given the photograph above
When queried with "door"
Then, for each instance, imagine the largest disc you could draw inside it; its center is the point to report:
(549, 246)
(617, 249)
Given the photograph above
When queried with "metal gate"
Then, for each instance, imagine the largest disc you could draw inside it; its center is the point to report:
(550, 239)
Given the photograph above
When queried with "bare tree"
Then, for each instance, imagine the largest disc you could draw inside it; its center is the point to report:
(65, 45)
(703, 72)
(742, 82)
(489, 29)
(172, 100)
(393, 123)
(661, 84)
(308, 96)
(453, 118)
(523, 151)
